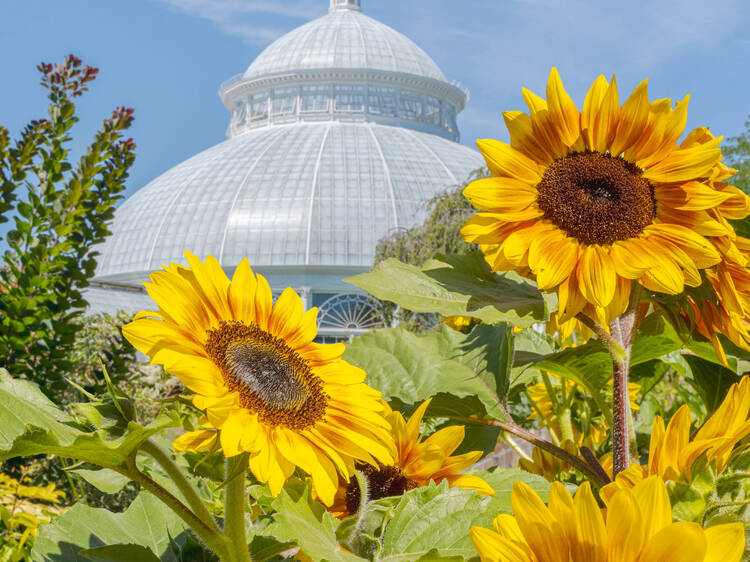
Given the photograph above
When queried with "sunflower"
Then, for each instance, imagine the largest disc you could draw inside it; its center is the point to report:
(416, 463)
(672, 452)
(266, 388)
(637, 526)
(588, 201)
(725, 307)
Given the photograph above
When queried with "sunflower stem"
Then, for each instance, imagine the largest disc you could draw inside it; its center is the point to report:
(215, 541)
(515, 446)
(613, 346)
(364, 500)
(622, 330)
(234, 509)
(566, 425)
(187, 490)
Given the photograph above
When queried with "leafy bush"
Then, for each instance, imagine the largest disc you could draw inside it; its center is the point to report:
(60, 213)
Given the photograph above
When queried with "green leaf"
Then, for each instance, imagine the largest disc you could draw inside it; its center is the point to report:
(590, 365)
(655, 339)
(30, 424)
(119, 553)
(147, 523)
(413, 368)
(501, 480)
(435, 519)
(104, 479)
(456, 285)
(477, 436)
(308, 525)
(488, 350)
(712, 380)
(267, 548)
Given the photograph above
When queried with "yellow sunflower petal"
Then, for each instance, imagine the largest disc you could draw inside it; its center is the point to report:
(632, 121)
(542, 531)
(684, 165)
(197, 373)
(231, 433)
(201, 440)
(263, 302)
(470, 482)
(563, 111)
(552, 257)
(494, 548)
(447, 439)
(286, 314)
(500, 195)
(679, 542)
(242, 292)
(689, 196)
(653, 502)
(211, 282)
(591, 106)
(605, 120)
(523, 139)
(701, 251)
(571, 300)
(726, 543)
(504, 160)
(597, 275)
(625, 533)
(591, 534)
(561, 506)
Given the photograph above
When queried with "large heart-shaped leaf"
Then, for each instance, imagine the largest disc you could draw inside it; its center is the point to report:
(456, 285)
(413, 368)
(309, 526)
(438, 518)
(30, 424)
(147, 523)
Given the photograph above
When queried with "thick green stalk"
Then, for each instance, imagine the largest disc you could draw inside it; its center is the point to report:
(364, 500)
(620, 416)
(187, 490)
(234, 509)
(215, 541)
(622, 331)
(566, 425)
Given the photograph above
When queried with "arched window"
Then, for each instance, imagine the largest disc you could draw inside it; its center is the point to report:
(349, 314)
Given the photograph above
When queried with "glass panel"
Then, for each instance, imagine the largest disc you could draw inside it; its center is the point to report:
(432, 110)
(382, 101)
(350, 98)
(284, 101)
(449, 115)
(315, 98)
(238, 113)
(319, 298)
(410, 106)
(259, 107)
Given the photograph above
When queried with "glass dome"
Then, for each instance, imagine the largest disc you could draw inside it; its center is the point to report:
(339, 134)
(306, 195)
(344, 38)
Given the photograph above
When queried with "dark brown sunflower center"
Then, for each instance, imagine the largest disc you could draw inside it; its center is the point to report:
(382, 482)
(597, 198)
(270, 377)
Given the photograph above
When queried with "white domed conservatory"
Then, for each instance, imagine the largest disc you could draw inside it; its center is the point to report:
(340, 132)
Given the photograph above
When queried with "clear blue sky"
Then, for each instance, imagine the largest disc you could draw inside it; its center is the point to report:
(166, 58)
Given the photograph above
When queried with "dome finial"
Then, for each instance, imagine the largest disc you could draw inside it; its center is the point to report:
(345, 5)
